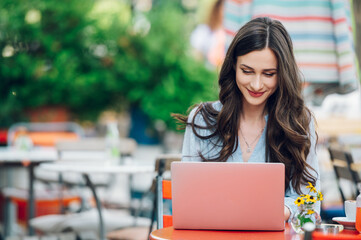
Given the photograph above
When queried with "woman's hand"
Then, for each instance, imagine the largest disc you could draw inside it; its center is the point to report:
(287, 213)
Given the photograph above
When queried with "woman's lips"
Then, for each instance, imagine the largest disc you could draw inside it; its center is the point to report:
(255, 94)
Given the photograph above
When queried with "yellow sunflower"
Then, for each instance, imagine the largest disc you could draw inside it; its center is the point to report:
(311, 199)
(310, 212)
(311, 187)
(319, 196)
(299, 201)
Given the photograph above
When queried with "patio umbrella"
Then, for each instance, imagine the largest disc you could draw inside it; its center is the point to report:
(322, 36)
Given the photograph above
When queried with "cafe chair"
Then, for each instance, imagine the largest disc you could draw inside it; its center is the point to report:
(164, 202)
(126, 146)
(87, 220)
(164, 198)
(25, 135)
(72, 150)
(45, 134)
(346, 178)
(345, 170)
(162, 168)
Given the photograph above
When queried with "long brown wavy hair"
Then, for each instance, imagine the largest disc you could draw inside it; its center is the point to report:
(288, 134)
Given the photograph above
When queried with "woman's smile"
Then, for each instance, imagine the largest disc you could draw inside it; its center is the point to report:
(255, 94)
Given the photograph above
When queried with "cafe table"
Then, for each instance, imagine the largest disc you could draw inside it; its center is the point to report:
(14, 157)
(170, 233)
(85, 168)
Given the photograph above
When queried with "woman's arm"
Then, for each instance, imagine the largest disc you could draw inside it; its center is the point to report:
(287, 213)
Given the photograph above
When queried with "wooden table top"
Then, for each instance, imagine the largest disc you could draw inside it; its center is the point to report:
(171, 233)
(287, 234)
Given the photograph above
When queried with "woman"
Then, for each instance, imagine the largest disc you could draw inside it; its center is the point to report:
(260, 115)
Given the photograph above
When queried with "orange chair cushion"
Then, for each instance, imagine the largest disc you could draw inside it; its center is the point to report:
(167, 189)
(167, 221)
(43, 206)
(50, 138)
(167, 194)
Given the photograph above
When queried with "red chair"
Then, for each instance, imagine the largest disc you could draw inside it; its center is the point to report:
(164, 193)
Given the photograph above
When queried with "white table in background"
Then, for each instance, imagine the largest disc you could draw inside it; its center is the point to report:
(13, 157)
(89, 167)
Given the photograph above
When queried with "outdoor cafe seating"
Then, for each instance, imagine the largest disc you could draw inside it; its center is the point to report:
(162, 169)
(67, 151)
(118, 223)
(29, 144)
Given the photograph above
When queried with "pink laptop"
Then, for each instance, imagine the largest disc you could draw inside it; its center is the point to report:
(228, 196)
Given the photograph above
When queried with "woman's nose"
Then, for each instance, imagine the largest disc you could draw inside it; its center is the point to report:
(256, 83)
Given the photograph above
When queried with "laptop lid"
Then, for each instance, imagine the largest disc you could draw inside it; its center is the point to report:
(228, 196)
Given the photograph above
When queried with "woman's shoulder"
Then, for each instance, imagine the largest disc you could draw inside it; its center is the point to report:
(310, 119)
(312, 124)
(217, 105)
(203, 107)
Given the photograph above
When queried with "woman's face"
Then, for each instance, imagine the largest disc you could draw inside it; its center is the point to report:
(256, 76)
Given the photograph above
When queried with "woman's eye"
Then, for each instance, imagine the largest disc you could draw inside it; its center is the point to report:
(246, 72)
(269, 74)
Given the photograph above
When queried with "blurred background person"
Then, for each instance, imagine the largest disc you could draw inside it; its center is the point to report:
(208, 39)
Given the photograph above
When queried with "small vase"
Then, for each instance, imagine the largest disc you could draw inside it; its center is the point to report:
(305, 213)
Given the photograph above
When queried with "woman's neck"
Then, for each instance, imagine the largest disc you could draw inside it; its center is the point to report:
(252, 114)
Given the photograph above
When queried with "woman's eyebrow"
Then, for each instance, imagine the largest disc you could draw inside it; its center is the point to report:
(266, 70)
(270, 69)
(244, 65)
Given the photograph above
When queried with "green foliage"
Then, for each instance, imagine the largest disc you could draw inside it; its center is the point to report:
(169, 79)
(304, 218)
(92, 55)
